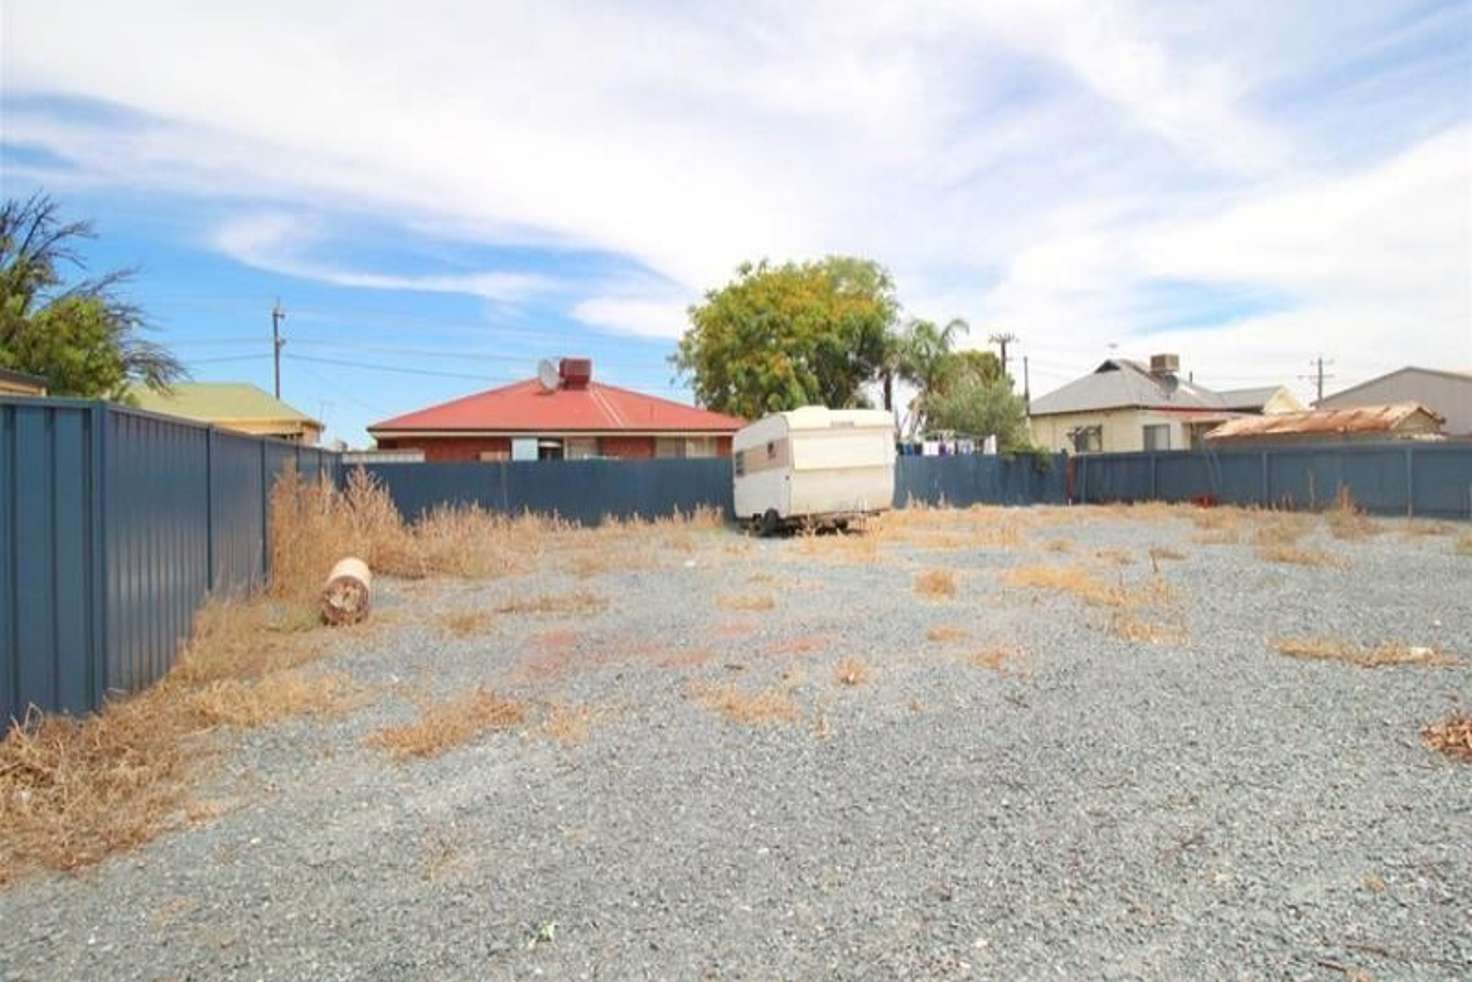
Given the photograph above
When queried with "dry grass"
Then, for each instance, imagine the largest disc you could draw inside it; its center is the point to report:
(448, 724)
(1282, 529)
(767, 707)
(73, 791)
(1131, 627)
(1299, 556)
(1088, 586)
(945, 634)
(1346, 520)
(248, 704)
(1059, 545)
(940, 527)
(1217, 519)
(1115, 556)
(1002, 659)
(1377, 656)
(1452, 736)
(466, 623)
(1464, 544)
(851, 672)
(567, 725)
(1217, 537)
(936, 584)
(753, 602)
(1420, 526)
(1166, 552)
(857, 548)
(554, 604)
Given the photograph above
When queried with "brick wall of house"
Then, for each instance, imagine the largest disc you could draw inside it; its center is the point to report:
(627, 447)
(448, 448)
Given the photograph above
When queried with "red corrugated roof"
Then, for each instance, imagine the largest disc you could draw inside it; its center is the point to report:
(528, 407)
(1361, 419)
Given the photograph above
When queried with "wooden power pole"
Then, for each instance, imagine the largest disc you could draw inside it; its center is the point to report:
(278, 314)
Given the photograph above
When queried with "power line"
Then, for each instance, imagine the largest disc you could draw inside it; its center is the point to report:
(396, 368)
(211, 361)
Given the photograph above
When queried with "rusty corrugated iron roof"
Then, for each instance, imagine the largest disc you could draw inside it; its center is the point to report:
(1360, 419)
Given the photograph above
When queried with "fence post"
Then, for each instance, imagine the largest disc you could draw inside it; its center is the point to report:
(265, 517)
(1154, 460)
(1265, 491)
(209, 510)
(101, 593)
(1410, 484)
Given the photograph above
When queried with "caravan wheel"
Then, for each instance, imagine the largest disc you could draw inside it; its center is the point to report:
(771, 522)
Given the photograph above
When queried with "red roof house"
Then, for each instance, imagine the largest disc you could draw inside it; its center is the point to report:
(561, 414)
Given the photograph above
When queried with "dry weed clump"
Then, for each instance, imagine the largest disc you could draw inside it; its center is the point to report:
(1131, 627)
(1217, 537)
(1116, 556)
(448, 724)
(1299, 556)
(753, 602)
(567, 725)
(1421, 526)
(1464, 544)
(553, 604)
(1002, 659)
(851, 672)
(73, 791)
(936, 584)
(1059, 545)
(249, 704)
(1282, 530)
(769, 706)
(1377, 656)
(1217, 519)
(1452, 736)
(466, 623)
(1166, 552)
(945, 634)
(1087, 586)
(857, 548)
(1346, 520)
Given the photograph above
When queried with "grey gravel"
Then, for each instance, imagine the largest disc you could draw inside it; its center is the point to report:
(1106, 809)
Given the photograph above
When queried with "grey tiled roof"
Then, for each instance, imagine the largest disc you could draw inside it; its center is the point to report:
(1120, 383)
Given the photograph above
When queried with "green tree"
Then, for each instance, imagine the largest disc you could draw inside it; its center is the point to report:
(81, 337)
(779, 337)
(978, 406)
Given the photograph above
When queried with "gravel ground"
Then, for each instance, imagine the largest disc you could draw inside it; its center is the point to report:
(1090, 807)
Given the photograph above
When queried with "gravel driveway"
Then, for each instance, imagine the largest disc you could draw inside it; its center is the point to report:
(697, 794)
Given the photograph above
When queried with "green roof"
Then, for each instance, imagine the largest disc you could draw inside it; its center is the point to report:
(217, 402)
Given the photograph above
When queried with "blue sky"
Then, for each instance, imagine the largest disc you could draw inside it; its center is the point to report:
(442, 196)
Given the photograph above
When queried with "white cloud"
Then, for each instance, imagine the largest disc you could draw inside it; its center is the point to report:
(278, 242)
(1042, 166)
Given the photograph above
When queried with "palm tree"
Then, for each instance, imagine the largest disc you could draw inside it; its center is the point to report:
(923, 349)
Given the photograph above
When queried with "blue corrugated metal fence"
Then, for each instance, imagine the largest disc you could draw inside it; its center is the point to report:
(114, 525)
(1427, 479)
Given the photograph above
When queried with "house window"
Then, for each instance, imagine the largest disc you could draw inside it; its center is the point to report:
(667, 446)
(1087, 439)
(1157, 436)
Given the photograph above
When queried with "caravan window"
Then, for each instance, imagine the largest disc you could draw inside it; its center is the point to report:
(739, 461)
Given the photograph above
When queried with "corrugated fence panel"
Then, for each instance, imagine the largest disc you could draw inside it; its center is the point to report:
(1434, 480)
(157, 508)
(50, 628)
(1442, 481)
(968, 480)
(583, 491)
(237, 513)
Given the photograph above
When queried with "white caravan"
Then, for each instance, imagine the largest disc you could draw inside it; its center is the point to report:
(815, 465)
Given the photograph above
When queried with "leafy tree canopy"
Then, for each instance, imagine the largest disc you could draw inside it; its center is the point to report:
(979, 406)
(779, 337)
(80, 336)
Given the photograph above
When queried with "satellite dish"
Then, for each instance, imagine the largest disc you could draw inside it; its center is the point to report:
(547, 374)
